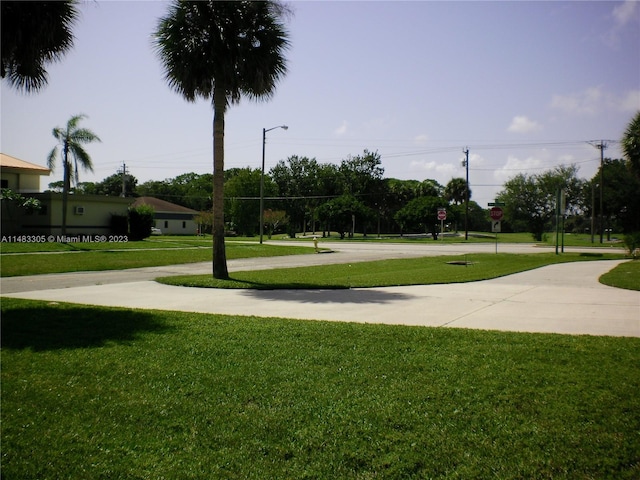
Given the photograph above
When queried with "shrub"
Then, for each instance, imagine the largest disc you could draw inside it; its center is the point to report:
(119, 224)
(632, 242)
(140, 222)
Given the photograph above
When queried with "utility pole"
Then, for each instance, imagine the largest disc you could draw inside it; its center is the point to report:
(601, 146)
(465, 163)
(593, 208)
(124, 179)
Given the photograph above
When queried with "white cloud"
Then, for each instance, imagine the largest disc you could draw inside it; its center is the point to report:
(585, 102)
(514, 166)
(624, 12)
(566, 159)
(421, 139)
(630, 102)
(522, 124)
(342, 129)
(595, 100)
(439, 170)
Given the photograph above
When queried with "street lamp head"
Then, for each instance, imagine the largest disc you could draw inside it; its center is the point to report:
(265, 130)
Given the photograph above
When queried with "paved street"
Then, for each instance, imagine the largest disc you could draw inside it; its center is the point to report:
(565, 298)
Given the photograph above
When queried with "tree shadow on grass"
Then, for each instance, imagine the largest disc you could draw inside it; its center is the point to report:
(42, 326)
(359, 296)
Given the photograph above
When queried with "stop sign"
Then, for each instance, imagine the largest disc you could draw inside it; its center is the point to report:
(496, 213)
(442, 214)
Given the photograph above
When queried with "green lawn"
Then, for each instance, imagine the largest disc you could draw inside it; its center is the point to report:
(148, 243)
(413, 271)
(37, 258)
(88, 256)
(111, 393)
(625, 275)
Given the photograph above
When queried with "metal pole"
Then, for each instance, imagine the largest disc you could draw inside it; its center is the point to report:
(264, 141)
(557, 218)
(264, 138)
(601, 147)
(466, 208)
(593, 207)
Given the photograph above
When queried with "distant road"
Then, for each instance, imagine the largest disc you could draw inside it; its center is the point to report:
(341, 252)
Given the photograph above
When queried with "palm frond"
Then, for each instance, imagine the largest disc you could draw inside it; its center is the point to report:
(34, 34)
(84, 135)
(72, 124)
(52, 157)
(58, 133)
(81, 157)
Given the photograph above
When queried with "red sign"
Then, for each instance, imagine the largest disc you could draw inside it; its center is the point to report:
(442, 214)
(496, 213)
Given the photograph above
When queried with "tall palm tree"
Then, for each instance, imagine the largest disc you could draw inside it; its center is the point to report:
(631, 145)
(222, 51)
(456, 190)
(71, 138)
(34, 34)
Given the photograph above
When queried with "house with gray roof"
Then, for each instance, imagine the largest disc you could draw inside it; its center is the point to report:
(170, 218)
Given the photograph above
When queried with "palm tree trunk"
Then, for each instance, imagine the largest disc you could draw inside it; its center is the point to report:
(66, 186)
(219, 254)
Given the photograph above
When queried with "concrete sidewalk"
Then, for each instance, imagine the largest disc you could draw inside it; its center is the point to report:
(563, 298)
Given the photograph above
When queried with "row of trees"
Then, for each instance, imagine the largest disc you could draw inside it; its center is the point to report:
(531, 200)
(303, 195)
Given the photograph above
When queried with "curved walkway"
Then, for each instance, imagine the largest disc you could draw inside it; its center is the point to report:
(563, 298)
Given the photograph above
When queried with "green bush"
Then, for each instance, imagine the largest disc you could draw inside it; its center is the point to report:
(119, 224)
(632, 242)
(140, 222)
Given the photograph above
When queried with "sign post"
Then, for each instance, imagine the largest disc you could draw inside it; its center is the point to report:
(496, 215)
(442, 216)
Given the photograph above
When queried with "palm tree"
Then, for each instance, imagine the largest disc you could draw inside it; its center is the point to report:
(71, 139)
(33, 34)
(221, 51)
(456, 190)
(631, 145)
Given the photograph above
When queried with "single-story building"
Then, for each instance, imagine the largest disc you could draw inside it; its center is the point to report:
(170, 218)
(86, 215)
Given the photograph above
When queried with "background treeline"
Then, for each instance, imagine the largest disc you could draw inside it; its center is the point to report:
(302, 195)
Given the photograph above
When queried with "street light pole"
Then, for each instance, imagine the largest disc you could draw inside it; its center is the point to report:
(465, 162)
(264, 141)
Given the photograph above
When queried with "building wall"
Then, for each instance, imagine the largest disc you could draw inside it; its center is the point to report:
(86, 215)
(176, 223)
(20, 182)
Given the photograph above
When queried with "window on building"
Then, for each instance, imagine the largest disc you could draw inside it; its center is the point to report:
(166, 224)
(184, 224)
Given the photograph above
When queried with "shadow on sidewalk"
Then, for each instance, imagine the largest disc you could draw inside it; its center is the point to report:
(360, 295)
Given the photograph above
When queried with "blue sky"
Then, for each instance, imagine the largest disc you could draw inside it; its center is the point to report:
(524, 85)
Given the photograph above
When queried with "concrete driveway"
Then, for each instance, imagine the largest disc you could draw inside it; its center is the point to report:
(564, 298)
